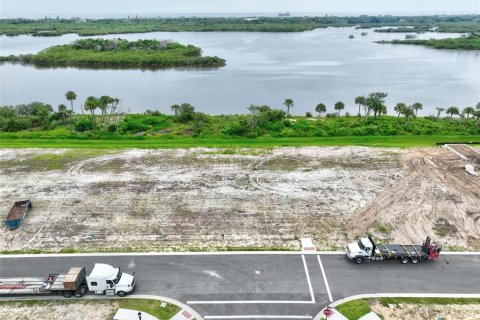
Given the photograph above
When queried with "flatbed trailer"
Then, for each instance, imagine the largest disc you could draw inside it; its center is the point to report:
(367, 250)
(72, 283)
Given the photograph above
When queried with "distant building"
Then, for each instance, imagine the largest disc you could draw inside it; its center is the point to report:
(284, 14)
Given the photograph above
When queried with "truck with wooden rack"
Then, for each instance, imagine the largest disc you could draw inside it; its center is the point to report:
(366, 250)
(104, 279)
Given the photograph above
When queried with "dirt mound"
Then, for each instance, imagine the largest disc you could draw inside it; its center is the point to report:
(435, 197)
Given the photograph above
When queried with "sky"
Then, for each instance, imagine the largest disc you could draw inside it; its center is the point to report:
(106, 8)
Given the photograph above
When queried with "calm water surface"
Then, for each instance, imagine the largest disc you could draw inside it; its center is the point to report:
(262, 68)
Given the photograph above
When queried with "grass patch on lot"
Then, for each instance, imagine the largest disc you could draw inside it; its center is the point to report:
(404, 141)
(151, 306)
(355, 309)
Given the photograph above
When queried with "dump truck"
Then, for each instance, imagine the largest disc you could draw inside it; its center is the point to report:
(366, 250)
(104, 279)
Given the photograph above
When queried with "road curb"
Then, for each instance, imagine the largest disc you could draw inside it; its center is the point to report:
(190, 253)
(320, 315)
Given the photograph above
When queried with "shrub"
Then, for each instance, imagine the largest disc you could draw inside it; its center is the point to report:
(83, 125)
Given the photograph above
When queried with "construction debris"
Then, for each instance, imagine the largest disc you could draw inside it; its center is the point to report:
(470, 169)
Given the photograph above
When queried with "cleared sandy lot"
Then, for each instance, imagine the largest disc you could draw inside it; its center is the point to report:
(190, 198)
(213, 199)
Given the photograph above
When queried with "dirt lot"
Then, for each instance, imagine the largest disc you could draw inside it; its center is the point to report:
(55, 311)
(218, 198)
(189, 198)
(419, 312)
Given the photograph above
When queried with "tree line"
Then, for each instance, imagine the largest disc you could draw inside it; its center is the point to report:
(105, 115)
(375, 103)
(88, 27)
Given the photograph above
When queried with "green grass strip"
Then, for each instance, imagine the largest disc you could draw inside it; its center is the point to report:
(403, 141)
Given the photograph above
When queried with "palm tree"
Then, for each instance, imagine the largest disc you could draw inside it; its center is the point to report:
(70, 95)
(417, 106)
(320, 108)
(439, 111)
(452, 110)
(175, 108)
(361, 101)
(468, 111)
(400, 107)
(90, 105)
(339, 106)
(408, 112)
(62, 109)
(288, 103)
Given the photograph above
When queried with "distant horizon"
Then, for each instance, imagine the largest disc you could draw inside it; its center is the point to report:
(225, 14)
(115, 8)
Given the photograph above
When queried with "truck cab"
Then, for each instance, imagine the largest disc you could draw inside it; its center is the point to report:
(105, 279)
(360, 250)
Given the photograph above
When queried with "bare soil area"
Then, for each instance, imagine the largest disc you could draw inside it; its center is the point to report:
(432, 311)
(214, 199)
(435, 196)
(191, 198)
(55, 311)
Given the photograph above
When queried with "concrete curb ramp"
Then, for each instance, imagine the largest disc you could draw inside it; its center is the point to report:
(396, 295)
(127, 314)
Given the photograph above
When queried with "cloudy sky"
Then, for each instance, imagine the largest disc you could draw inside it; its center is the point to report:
(12, 8)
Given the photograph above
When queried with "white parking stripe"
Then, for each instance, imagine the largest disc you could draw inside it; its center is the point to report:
(257, 317)
(308, 279)
(325, 279)
(251, 302)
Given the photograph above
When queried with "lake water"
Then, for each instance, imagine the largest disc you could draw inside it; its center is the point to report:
(262, 68)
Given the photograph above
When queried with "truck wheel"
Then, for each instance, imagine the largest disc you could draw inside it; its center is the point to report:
(67, 293)
(121, 294)
(414, 260)
(78, 294)
(358, 260)
(404, 260)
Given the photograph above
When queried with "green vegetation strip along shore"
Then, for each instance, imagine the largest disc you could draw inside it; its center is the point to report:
(356, 309)
(152, 307)
(471, 42)
(89, 27)
(405, 141)
(120, 53)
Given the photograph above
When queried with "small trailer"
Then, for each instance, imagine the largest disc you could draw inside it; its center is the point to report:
(366, 249)
(104, 279)
(17, 213)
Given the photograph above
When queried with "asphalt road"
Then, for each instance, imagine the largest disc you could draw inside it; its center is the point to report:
(267, 284)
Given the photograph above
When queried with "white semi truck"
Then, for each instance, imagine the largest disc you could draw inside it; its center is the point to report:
(367, 250)
(104, 279)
